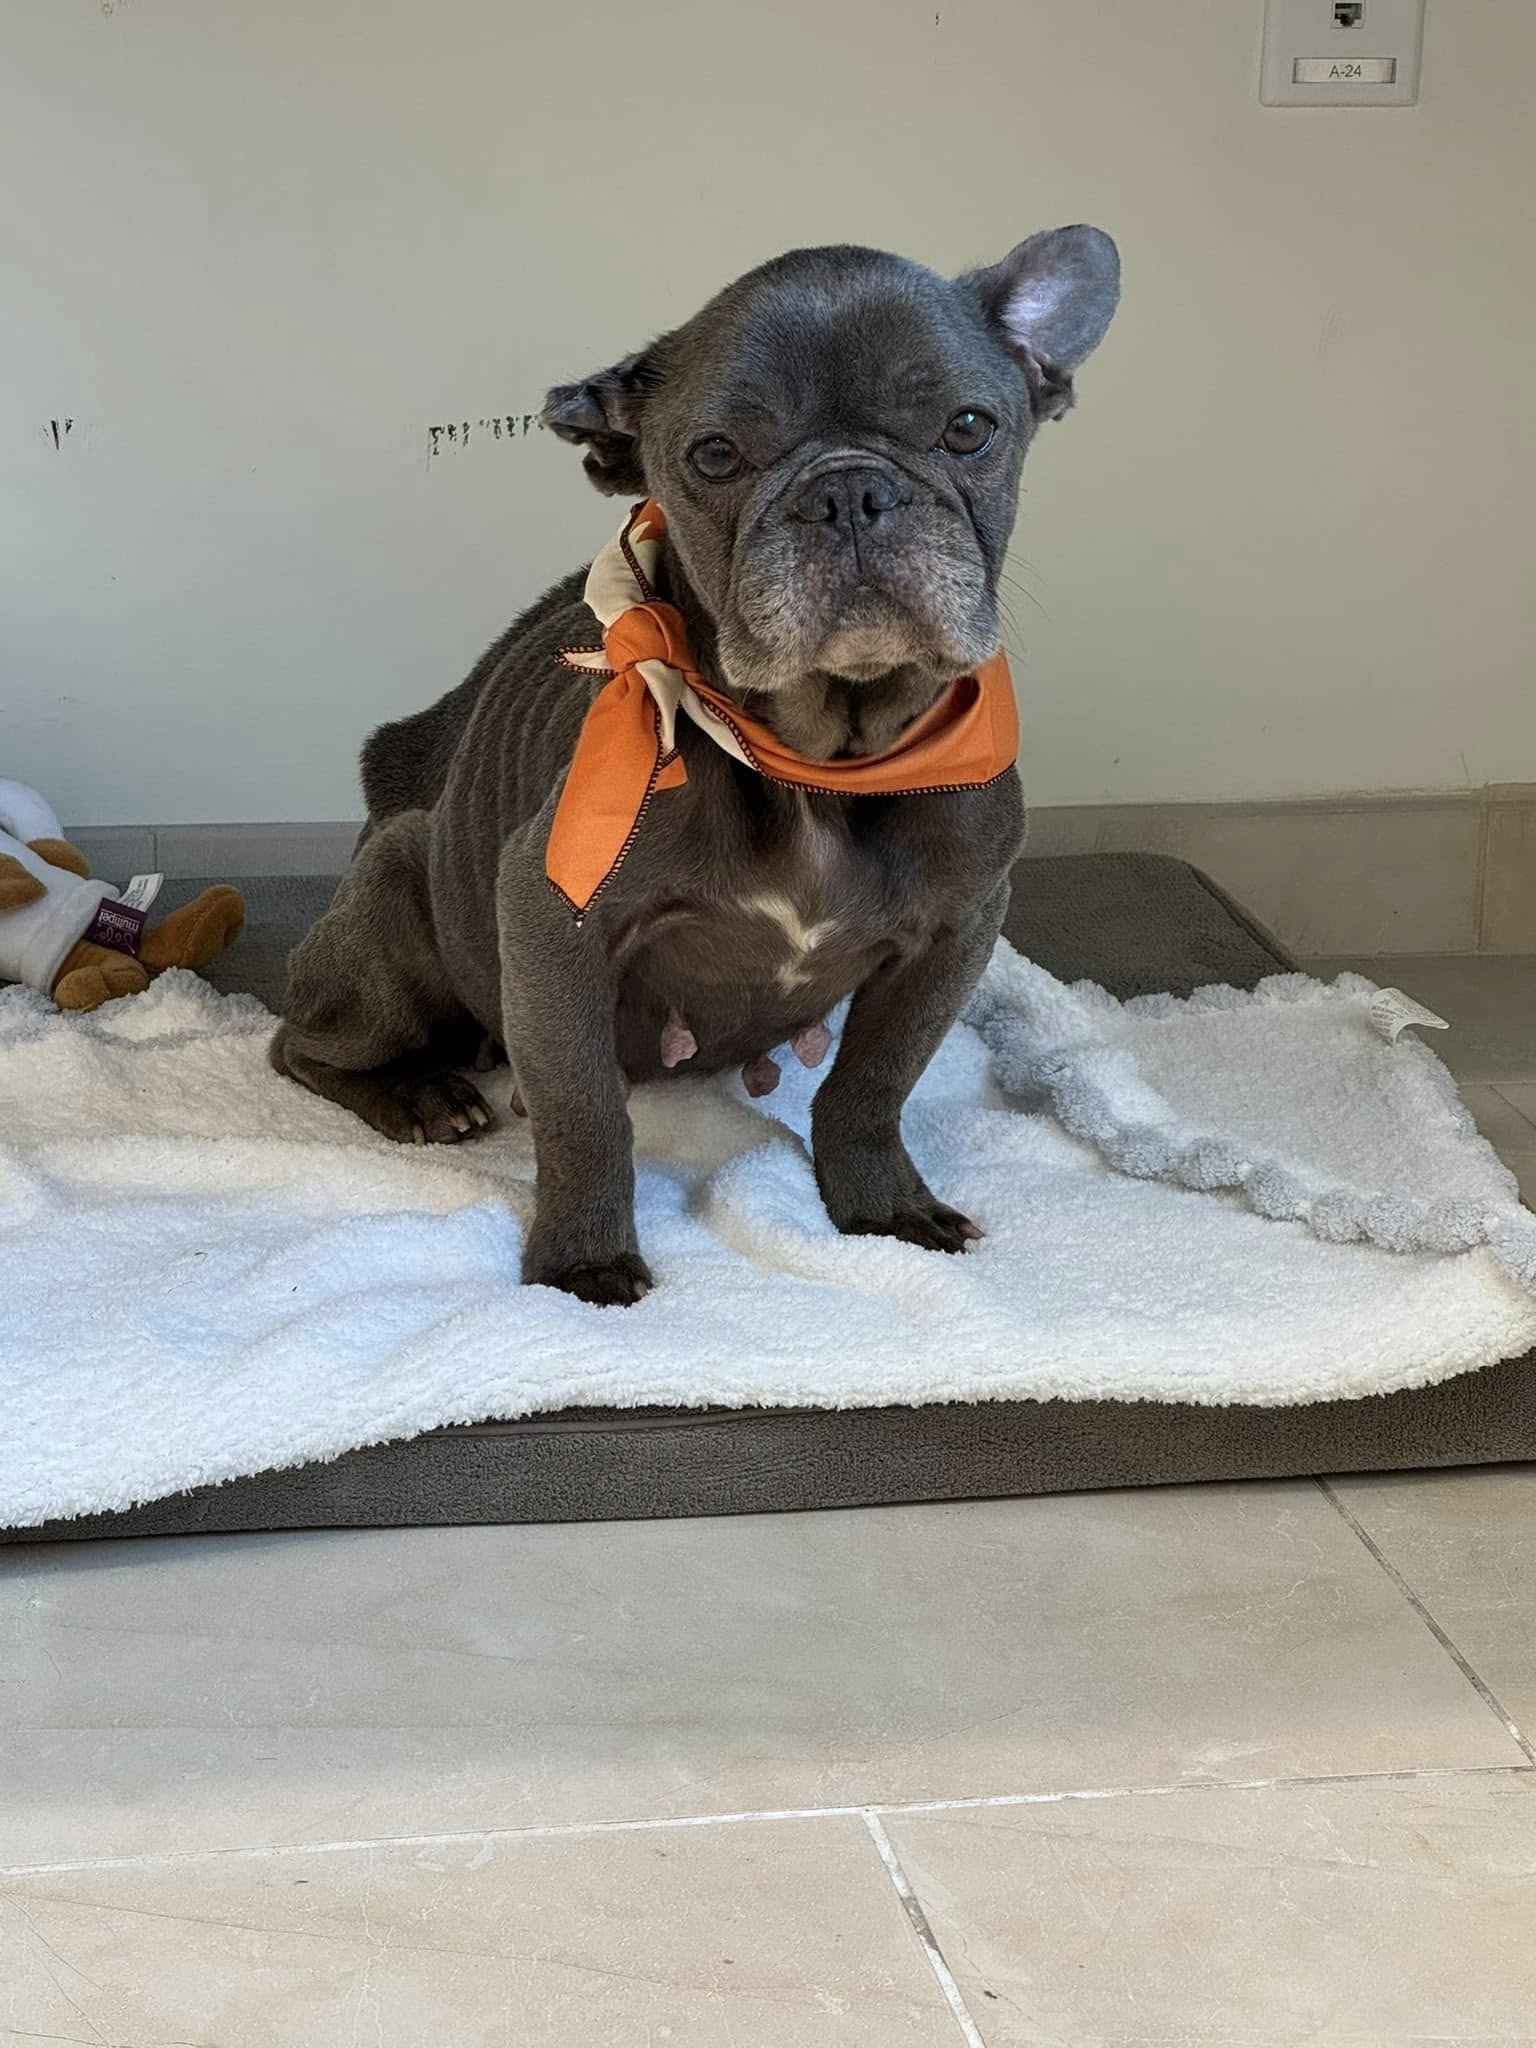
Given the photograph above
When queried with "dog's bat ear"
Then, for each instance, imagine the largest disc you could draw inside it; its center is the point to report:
(1051, 299)
(602, 415)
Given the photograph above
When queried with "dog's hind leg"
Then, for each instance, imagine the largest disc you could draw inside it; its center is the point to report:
(368, 994)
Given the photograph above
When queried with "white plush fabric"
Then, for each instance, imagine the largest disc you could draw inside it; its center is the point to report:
(26, 814)
(205, 1271)
(35, 939)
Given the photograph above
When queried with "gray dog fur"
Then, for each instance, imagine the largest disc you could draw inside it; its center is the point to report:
(836, 526)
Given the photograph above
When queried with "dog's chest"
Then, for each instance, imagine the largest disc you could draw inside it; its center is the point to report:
(804, 911)
(762, 945)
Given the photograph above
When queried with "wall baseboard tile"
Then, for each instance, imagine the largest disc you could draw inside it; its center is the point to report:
(1366, 875)
(217, 853)
(1334, 876)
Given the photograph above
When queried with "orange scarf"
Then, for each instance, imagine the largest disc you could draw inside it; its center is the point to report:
(628, 746)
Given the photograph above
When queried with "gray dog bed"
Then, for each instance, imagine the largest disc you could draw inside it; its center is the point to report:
(1137, 924)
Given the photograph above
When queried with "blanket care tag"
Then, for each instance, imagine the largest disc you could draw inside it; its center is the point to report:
(1392, 1013)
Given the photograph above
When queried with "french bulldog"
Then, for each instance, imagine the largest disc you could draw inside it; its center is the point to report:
(834, 443)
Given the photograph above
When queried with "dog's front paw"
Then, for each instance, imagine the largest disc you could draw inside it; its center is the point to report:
(608, 1283)
(872, 1189)
(928, 1224)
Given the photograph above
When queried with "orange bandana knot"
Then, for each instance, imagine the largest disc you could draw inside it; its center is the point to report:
(653, 631)
(628, 745)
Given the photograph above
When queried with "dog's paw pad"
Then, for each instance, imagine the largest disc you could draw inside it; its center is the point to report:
(611, 1283)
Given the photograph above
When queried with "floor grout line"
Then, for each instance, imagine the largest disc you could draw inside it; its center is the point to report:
(1480, 875)
(750, 1816)
(912, 1905)
(1484, 1691)
(1502, 1088)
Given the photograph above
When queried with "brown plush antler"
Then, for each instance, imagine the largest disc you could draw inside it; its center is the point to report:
(18, 885)
(60, 854)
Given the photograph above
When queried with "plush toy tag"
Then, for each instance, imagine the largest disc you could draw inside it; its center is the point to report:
(142, 891)
(118, 925)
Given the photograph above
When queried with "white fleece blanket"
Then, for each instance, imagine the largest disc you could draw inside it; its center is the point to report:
(206, 1272)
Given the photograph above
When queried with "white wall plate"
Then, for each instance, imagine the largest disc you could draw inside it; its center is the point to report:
(1341, 53)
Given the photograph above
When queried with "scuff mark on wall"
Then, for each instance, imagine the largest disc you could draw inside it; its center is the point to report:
(58, 431)
(505, 426)
(1328, 335)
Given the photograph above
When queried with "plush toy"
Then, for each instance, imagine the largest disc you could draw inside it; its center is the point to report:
(84, 942)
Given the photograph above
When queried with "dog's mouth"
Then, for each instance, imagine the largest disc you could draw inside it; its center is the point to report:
(909, 613)
(873, 639)
(841, 659)
(908, 596)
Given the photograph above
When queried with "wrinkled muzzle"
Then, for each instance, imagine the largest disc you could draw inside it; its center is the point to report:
(857, 568)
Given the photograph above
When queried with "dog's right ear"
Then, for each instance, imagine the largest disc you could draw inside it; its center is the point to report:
(602, 415)
(1051, 300)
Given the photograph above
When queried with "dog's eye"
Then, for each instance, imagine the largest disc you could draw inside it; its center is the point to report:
(716, 459)
(968, 432)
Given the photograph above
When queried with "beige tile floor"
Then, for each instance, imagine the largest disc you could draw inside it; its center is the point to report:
(1230, 1765)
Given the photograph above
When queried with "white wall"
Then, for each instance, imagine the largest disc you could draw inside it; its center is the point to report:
(256, 250)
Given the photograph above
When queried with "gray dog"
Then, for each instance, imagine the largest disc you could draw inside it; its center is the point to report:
(834, 443)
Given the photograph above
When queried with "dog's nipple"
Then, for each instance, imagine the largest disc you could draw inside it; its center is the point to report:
(677, 1041)
(811, 1044)
(760, 1076)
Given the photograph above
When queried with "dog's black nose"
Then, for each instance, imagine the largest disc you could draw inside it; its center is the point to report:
(851, 501)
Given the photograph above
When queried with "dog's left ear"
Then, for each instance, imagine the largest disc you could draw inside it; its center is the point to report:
(602, 415)
(1051, 300)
